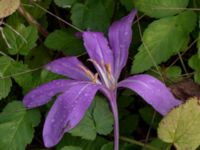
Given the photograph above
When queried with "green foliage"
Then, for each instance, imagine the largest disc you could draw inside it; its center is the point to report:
(168, 29)
(71, 148)
(93, 14)
(160, 8)
(148, 114)
(159, 144)
(66, 41)
(159, 42)
(37, 12)
(103, 117)
(17, 126)
(108, 146)
(21, 40)
(5, 83)
(85, 129)
(181, 126)
(173, 73)
(194, 63)
(84, 144)
(65, 3)
(98, 119)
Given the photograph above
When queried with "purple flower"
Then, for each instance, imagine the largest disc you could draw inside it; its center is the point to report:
(76, 94)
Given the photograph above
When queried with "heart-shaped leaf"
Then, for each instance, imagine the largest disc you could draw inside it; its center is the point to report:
(181, 126)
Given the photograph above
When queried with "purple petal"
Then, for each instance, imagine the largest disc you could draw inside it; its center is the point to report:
(67, 111)
(68, 66)
(152, 91)
(97, 47)
(120, 35)
(43, 94)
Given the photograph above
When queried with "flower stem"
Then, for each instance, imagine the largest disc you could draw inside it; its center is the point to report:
(114, 108)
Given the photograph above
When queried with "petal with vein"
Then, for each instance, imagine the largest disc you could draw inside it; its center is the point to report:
(153, 91)
(43, 94)
(67, 111)
(97, 47)
(68, 66)
(120, 36)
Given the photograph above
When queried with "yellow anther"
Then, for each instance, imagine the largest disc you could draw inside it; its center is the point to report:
(87, 72)
(95, 78)
(108, 70)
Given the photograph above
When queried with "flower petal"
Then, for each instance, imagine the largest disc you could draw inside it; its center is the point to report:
(120, 35)
(67, 111)
(152, 91)
(43, 94)
(68, 66)
(97, 47)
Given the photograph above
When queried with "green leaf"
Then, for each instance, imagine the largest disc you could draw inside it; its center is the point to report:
(66, 41)
(16, 126)
(98, 119)
(108, 146)
(5, 86)
(5, 83)
(159, 144)
(7, 7)
(102, 116)
(22, 40)
(148, 114)
(21, 74)
(173, 73)
(128, 4)
(71, 148)
(65, 3)
(93, 14)
(129, 124)
(198, 44)
(160, 8)
(84, 144)
(194, 63)
(37, 12)
(162, 39)
(85, 129)
(181, 126)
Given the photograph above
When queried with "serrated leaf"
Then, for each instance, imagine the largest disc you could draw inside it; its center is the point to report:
(85, 129)
(160, 8)
(21, 74)
(102, 116)
(93, 14)
(65, 3)
(181, 126)
(16, 126)
(66, 41)
(5, 83)
(71, 148)
(22, 40)
(5, 86)
(194, 63)
(162, 39)
(7, 7)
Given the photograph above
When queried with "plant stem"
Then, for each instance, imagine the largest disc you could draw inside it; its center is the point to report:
(132, 141)
(113, 102)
